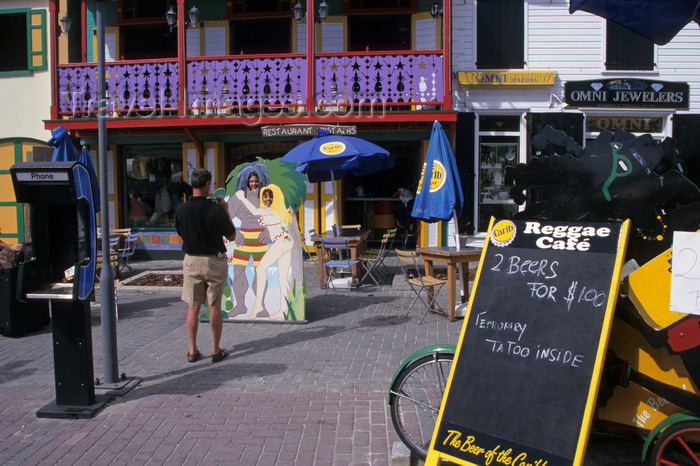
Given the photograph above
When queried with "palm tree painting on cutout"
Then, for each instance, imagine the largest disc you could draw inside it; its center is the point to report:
(266, 279)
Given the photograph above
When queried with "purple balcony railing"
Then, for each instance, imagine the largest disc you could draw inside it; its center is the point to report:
(379, 78)
(130, 87)
(220, 84)
(230, 82)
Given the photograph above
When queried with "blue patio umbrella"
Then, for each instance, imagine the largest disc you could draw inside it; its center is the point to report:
(87, 161)
(64, 150)
(439, 195)
(329, 157)
(656, 20)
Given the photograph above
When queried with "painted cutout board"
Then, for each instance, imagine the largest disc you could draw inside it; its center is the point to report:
(685, 273)
(523, 385)
(266, 274)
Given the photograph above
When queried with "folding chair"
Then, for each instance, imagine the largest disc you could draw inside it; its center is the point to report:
(127, 251)
(339, 264)
(419, 282)
(372, 262)
(391, 235)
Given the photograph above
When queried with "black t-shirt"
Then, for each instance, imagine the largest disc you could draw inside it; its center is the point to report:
(202, 224)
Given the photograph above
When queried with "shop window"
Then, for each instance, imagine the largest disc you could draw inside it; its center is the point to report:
(570, 123)
(245, 36)
(499, 123)
(500, 35)
(627, 50)
(22, 41)
(495, 155)
(138, 9)
(364, 4)
(633, 124)
(372, 33)
(260, 6)
(154, 186)
(686, 132)
(162, 43)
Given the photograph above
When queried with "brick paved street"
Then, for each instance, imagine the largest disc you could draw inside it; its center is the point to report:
(306, 394)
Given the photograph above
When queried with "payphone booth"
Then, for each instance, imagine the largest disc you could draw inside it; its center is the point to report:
(59, 267)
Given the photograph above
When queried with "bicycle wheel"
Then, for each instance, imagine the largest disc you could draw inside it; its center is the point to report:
(416, 397)
(678, 445)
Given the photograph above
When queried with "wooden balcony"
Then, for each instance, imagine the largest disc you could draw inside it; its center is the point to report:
(350, 82)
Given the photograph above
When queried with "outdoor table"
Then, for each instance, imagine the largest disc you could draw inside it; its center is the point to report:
(357, 240)
(451, 256)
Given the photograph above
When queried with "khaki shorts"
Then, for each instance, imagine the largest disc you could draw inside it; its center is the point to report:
(204, 278)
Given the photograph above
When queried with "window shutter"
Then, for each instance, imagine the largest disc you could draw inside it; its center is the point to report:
(36, 39)
(627, 50)
(500, 34)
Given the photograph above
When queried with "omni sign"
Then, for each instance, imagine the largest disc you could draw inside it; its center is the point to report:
(630, 93)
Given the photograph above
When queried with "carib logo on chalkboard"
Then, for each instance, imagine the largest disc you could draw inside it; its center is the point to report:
(503, 233)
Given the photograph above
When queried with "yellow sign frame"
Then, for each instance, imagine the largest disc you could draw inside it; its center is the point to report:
(506, 78)
(434, 456)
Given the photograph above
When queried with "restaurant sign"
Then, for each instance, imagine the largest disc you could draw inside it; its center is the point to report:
(630, 93)
(306, 130)
(506, 78)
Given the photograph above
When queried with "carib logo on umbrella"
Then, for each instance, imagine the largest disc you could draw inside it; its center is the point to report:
(437, 180)
(332, 148)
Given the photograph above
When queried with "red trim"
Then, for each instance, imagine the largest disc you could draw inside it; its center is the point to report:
(176, 123)
(121, 62)
(379, 52)
(246, 56)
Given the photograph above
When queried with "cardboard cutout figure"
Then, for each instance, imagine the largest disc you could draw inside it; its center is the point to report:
(266, 277)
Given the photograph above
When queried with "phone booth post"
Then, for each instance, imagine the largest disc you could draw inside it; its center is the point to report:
(59, 266)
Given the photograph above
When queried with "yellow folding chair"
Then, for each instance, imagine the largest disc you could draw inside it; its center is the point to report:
(419, 282)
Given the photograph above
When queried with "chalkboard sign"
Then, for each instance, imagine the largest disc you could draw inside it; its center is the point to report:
(523, 385)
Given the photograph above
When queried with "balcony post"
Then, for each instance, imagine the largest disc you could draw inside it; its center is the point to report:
(446, 54)
(181, 55)
(53, 40)
(310, 56)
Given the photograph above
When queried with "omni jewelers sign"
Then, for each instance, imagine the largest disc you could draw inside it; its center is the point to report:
(631, 93)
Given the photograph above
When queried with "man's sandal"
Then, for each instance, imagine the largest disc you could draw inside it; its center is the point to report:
(219, 356)
(193, 357)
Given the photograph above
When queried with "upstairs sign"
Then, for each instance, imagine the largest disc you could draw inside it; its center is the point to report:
(307, 130)
(529, 359)
(627, 93)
